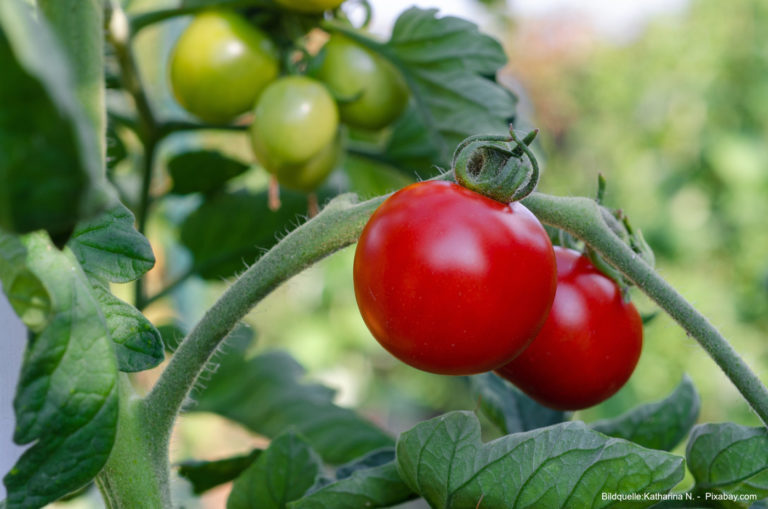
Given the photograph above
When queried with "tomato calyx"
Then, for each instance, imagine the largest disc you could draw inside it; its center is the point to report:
(495, 166)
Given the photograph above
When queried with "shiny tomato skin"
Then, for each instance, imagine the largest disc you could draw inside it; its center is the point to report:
(452, 282)
(220, 65)
(377, 93)
(589, 345)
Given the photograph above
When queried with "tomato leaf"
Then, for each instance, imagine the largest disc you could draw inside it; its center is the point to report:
(251, 229)
(138, 343)
(508, 408)
(66, 400)
(446, 62)
(660, 425)
(108, 247)
(565, 465)
(375, 486)
(202, 171)
(172, 335)
(265, 394)
(51, 166)
(729, 459)
(284, 472)
(204, 475)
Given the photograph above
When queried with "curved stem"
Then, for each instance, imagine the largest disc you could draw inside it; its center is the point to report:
(338, 225)
(582, 218)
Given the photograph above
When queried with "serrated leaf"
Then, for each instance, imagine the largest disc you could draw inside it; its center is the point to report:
(204, 475)
(265, 394)
(229, 231)
(509, 409)
(138, 345)
(562, 466)
(202, 171)
(660, 425)
(729, 459)
(108, 246)
(378, 486)
(370, 178)
(51, 166)
(283, 473)
(446, 62)
(66, 400)
(410, 145)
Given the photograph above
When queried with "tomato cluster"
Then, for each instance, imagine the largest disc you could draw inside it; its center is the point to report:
(224, 66)
(452, 282)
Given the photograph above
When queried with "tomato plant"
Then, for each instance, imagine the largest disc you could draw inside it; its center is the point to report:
(437, 289)
(372, 91)
(220, 65)
(454, 273)
(589, 345)
(293, 132)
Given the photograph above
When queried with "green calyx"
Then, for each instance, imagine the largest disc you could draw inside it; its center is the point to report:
(495, 166)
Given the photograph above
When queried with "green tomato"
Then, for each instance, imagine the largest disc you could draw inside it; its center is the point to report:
(220, 65)
(376, 91)
(295, 124)
(310, 6)
(308, 176)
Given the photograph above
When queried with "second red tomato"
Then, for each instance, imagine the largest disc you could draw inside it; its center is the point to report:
(590, 343)
(452, 282)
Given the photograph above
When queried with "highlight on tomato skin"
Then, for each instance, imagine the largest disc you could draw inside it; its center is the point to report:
(589, 345)
(220, 64)
(451, 282)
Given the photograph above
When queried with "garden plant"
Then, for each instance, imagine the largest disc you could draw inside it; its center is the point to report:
(408, 147)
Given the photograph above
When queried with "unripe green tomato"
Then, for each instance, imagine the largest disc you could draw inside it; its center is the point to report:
(220, 65)
(308, 176)
(295, 124)
(310, 6)
(378, 91)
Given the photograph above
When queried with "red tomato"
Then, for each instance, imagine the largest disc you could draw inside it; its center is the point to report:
(590, 343)
(452, 282)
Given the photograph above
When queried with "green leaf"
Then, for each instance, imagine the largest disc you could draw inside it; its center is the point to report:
(265, 394)
(660, 425)
(446, 62)
(204, 475)
(26, 293)
(202, 171)
(66, 400)
(372, 459)
(138, 345)
(410, 146)
(286, 470)
(51, 166)
(509, 409)
(171, 334)
(728, 459)
(108, 247)
(229, 231)
(379, 486)
(565, 465)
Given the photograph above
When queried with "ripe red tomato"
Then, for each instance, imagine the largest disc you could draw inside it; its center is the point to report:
(590, 343)
(452, 282)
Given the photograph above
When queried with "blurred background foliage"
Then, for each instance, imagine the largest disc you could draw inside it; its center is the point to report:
(675, 117)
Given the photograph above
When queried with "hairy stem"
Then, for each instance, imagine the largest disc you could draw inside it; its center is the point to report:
(582, 218)
(338, 225)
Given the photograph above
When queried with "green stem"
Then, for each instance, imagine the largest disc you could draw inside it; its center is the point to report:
(338, 225)
(145, 19)
(136, 473)
(147, 126)
(583, 218)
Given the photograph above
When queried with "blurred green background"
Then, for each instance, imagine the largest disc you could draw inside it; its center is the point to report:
(674, 115)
